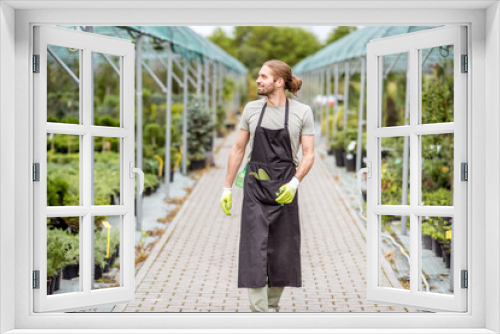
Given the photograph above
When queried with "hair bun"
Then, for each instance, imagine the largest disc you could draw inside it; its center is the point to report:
(295, 85)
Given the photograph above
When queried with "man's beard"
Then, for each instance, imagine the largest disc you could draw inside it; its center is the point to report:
(265, 92)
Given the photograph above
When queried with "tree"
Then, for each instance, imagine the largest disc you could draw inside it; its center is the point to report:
(253, 45)
(227, 43)
(339, 32)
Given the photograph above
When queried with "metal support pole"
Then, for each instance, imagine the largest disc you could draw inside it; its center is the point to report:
(328, 92)
(220, 77)
(336, 94)
(206, 83)
(138, 101)
(406, 152)
(199, 79)
(361, 115)
(168, 129)
(346, 92)
(214, 102)
(184, 120)
(64, 66)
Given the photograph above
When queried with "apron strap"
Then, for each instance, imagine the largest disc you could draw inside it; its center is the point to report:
(262, 114)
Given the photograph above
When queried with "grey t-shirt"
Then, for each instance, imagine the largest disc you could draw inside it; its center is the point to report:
(300, 121)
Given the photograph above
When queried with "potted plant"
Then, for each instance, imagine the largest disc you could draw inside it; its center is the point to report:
(338, 148)
(427, 230)
(350, 151)
(200, 134)
(51, 272)
(100, 245)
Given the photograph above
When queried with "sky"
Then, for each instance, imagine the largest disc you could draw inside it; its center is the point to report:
(321, 32)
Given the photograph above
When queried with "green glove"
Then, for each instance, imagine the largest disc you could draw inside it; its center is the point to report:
(288, 191)
(226, 200)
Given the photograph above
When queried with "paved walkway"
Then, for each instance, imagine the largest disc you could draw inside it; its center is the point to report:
(193, 268)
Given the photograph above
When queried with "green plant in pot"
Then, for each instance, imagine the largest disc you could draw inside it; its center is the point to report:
(200, 131)
(337, 146)
(350, 149)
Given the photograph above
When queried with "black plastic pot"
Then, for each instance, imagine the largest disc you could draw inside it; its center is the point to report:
(436, 247)
(172, 175)
(350, 161)
(57, 281)
(363, 192)
(339, 158)
(70, 271)
(197, 164)
(426, 241)
(446, 257)
(97, 272)
(49, 287)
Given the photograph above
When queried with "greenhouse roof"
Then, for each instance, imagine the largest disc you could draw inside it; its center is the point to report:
(351, 46)
(184, 42)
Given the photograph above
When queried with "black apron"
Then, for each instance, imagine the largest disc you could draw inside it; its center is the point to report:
(270, 232)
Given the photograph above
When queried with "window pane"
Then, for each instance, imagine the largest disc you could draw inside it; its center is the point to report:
(63, 170)
(63, 255)
(437, 169)
(63, 89)
(106, 171)
(395, 171)
(437, 84)
(395, 251)
(106, 77)
(107, 232)
(436, 251)
(395, 102)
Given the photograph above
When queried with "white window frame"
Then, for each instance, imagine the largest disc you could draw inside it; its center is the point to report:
(483, 141)
(87, 43)
(412, 44)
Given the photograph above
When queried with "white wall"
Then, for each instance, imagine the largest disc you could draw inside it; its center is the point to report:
(7, 162)
(492, 151)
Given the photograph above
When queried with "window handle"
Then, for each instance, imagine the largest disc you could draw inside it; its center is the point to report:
(367, 170)
(139, 171)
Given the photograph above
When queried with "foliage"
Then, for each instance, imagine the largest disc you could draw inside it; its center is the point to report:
(200, 130)
(221, 117)
(254, 45)
(62, 249)
(339, 32)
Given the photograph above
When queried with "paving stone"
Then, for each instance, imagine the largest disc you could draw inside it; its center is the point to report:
(195, 268)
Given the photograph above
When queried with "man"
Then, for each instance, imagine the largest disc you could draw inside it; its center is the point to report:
(269, 252)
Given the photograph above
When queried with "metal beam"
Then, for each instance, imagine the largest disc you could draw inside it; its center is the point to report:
(64, 66)
(328, 92)
(111, 63)
(346, 93)
(361, 113)
(199, 78)
(153, 75)
(206, 81)
(335, 93)
(214, 103)
(184, 120)
(168, 127)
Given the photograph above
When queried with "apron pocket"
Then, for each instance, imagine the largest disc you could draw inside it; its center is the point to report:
(265, 191)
